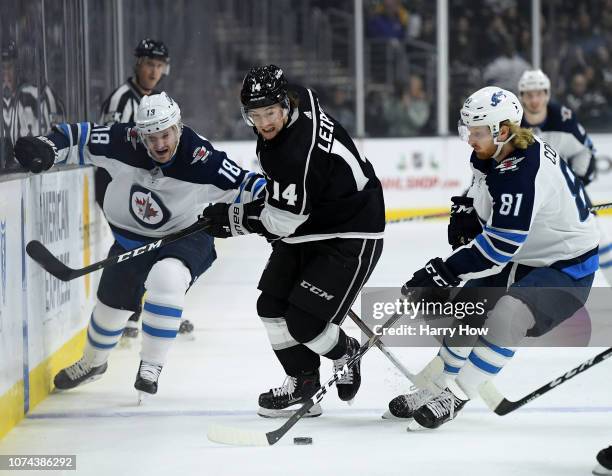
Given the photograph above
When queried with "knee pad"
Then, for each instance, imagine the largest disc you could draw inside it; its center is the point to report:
(168, 278)
(270, 306)
(508, 322)
(302, 325)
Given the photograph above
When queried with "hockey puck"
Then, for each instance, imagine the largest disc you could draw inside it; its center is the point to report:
(302, 441)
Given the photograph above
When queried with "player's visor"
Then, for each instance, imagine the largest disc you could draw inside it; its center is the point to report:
(477, 133)
(265, 114)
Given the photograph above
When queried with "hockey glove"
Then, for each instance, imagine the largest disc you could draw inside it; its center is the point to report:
(464, 225)
(431, 283)
(223, 220)
(591, 172)
(35, 153)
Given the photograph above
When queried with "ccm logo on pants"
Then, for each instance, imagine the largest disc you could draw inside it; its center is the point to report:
(317, 291)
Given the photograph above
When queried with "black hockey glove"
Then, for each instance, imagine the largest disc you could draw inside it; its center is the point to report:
(223, 220)
(431, 283)
(35, 153)
(464, 225)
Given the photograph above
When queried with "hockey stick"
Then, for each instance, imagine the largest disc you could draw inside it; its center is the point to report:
(594, 208)
(502, 406)
(39, 253)
(603, 206)
(240, 437)
(419, 217)
(368, 332)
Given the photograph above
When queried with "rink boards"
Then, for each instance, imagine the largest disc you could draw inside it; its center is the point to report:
(42, 319)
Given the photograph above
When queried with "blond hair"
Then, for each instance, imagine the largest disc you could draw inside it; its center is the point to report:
(523, 137)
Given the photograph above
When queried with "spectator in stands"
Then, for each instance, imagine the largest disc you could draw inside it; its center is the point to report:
(506, 70)
(603, 72)
(375, 122)
(588, 104)
(341, 110)
(389, 20)
(408, 110)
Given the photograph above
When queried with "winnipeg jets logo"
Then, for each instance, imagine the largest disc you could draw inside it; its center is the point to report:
(200, 154)
(509, 165)
(497, 98)
(566, 113)
(147, 208)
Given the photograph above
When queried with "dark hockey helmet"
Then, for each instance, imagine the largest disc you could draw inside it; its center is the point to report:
(152, 49)
(263, 86)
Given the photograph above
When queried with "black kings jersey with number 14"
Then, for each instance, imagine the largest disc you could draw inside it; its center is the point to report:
(318, 185)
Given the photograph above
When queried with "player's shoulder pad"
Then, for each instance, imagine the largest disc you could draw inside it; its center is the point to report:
(196, 149)
(560, 117)
(516, 171)
(299, 93)
(199, 162)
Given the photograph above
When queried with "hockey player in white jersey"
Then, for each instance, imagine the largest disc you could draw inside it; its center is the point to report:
(558, 125)
(535, 231)
(152, 64)
(163, 175)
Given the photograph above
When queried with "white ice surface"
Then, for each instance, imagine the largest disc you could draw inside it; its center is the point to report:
(217, 378)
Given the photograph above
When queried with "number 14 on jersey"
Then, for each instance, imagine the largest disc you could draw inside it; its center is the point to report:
(288, 193)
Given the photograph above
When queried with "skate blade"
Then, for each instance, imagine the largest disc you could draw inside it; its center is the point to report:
(143, 397)
(599, 470)
(315, 411)
(415, 426)
(390, 416)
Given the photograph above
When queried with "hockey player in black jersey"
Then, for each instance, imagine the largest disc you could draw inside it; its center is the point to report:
(324, 213)
(163, 174)
(558, 125)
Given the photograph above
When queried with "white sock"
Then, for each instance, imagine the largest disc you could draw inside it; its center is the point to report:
(484, 363)
(104, 331)
(166, 286)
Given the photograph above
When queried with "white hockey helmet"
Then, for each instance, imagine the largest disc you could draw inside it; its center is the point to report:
(533, 80)
(156, 113)
(490, 107)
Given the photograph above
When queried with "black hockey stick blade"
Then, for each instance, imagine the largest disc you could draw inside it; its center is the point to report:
(39, 253)
(241, 437)
(502, 406)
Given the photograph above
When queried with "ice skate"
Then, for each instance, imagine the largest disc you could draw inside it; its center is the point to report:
(275, 403)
